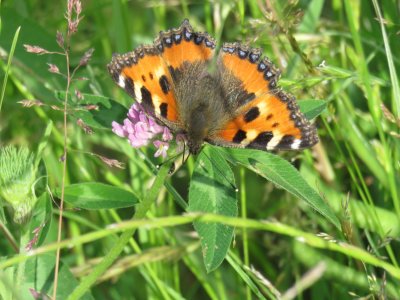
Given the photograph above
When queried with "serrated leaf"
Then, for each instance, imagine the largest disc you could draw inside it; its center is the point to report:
(312, 108)
(212, 191)
(94, 195)
(108, 110)
(282, 174)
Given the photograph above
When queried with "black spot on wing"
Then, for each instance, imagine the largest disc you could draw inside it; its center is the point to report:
(245, 97)
(261, 141)
(285, 142)
(251, 114)
(172, 71)
(130, 87)
(164, 109)
(146, 98)
(164, 84)
(239, 136)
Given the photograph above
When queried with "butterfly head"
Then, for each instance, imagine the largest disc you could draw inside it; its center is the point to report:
(194, 146)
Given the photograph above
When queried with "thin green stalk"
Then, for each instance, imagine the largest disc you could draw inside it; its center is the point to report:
(64, 168)
(10, 56)
(393, 75)
(141, 211)
(149, 269)
(243, 204)
(373, 104)
(237, 266)
(276, 227)
(19, 279)
(203, 280)
(175, 267)
(220, 286)
(8, 235)
(373, 211)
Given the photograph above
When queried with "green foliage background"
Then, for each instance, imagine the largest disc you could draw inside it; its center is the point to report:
(340, 52)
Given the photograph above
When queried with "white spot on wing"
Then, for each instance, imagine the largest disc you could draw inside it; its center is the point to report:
(262, 106)
(121, 81)
(250, 136)
(157, 101)
(296, 144)
(138, 92)
(159, 72)
(274, 141)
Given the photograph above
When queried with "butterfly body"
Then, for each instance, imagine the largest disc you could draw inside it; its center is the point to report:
(238, 104)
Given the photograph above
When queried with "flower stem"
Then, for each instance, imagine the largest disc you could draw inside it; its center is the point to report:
(24, 239)
(243, 202)
(64, 159)
(141, 211)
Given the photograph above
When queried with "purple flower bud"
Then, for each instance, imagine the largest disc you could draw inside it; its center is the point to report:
(162, 148)
(167, 135)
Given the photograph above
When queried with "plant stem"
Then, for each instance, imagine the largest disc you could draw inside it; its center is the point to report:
(21, 266)
(141, 211)
(64, 159)
(244, 230)
(9, 236)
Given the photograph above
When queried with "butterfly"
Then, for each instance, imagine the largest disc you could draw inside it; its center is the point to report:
(231, 100)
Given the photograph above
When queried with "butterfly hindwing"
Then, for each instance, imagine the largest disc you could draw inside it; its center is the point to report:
(263, 116)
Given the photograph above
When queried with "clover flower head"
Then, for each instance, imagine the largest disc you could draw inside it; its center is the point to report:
(17, 177)
(141, 129)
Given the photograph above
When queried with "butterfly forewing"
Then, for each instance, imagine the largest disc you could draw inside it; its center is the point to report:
(145, 77)
(182, 45)
(154, 74)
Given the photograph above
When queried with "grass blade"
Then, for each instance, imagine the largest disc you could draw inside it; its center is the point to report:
(7, 70)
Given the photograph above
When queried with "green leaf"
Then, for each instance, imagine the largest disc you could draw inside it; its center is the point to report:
(108, 110)
(39, 275)
(312, 108)
(94, 195)
(7, 282)
(312, 15)
(43, 143)
(282, 174)
(41, 219)
(212, 191)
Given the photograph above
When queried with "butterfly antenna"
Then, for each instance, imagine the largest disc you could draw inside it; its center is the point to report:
(233, 186)
(172, 167)
(183, 155)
